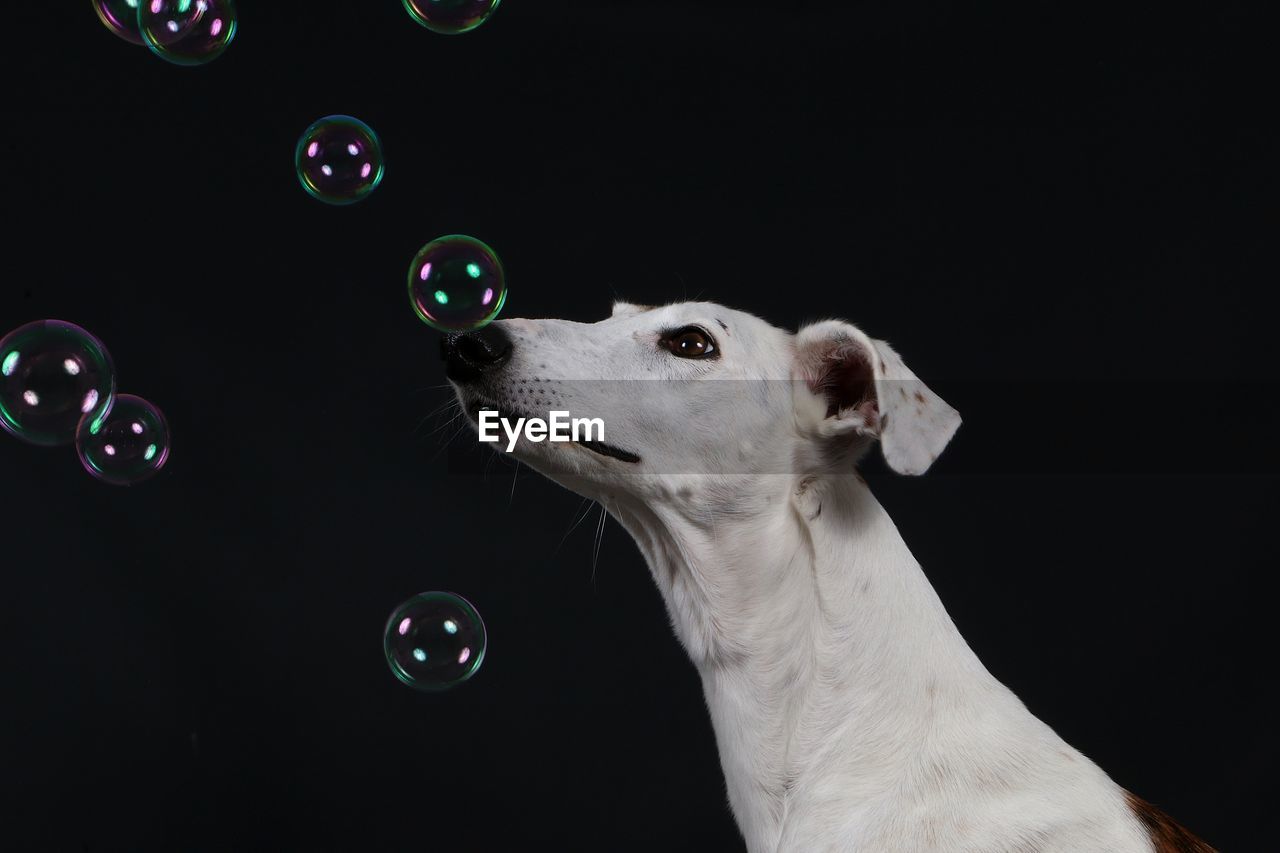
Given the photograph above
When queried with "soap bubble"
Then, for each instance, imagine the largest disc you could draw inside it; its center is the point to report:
(339, 160)
(53, 375)
(187, 32)
(457, 284)
(129, 445)
(450, 16)
(434, 641)
(121, 17)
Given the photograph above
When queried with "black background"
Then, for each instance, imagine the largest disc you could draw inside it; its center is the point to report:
(1058, 216)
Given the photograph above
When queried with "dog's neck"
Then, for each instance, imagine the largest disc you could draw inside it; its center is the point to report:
(818, 638)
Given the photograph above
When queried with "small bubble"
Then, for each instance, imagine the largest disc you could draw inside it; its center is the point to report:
(457, 284)
(434, 641)
(339, 160)
(450, 16)
(127, 447)
(187, 33)
(52, 374)
(121, 17)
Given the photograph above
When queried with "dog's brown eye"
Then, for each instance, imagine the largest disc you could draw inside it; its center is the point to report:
(690, 343)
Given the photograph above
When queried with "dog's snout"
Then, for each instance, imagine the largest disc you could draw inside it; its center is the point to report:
(469, 355)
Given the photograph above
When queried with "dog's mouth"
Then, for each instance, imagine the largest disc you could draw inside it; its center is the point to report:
(477, 404)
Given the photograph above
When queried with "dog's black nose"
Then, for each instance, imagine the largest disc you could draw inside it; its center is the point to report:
(469, 355)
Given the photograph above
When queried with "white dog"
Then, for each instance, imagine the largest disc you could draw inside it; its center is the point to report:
(849, 713)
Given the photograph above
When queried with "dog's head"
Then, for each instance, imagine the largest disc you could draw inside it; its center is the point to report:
(698, 394)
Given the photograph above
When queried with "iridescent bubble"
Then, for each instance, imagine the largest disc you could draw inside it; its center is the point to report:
(339, 160)
(129, 445)
(457, 284)
(53, 375)
(187, 32)
(450, 16)
(434, 641)
(121, 17)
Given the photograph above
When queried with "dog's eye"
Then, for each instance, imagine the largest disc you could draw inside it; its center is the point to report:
(690, 342)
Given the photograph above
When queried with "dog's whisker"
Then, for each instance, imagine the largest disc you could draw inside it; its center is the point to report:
(452, 419)
(684, 286)
(445, 444)
(444, 387)
(456, 419)
(584, 509)
(418, 426)
(446, 425)
(516, 476)
(445, 406)
(595, 556)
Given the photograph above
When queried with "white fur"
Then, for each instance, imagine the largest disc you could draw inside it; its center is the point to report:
(849, 713)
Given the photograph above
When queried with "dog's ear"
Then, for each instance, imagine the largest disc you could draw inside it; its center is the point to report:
(868, 391)
(626, 309)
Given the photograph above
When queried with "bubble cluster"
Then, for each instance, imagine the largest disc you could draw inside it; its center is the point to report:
(52, 375)
(434, 641)
(450, 16)
(457, 284)
(121, 17)
(339, 160)
(187, 32)
(129, 445)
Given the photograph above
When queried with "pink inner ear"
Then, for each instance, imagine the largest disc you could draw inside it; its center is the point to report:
(847, 381)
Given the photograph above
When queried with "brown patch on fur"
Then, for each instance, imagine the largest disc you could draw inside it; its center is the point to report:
(919, 396)
(1167, 835)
